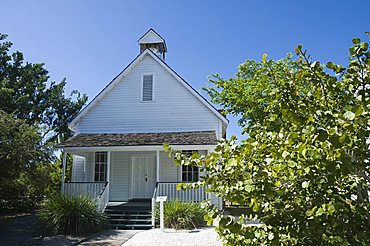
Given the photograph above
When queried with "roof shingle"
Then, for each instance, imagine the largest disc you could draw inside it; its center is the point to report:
(138, 139)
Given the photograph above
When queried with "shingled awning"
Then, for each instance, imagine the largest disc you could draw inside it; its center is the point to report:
(140, 139)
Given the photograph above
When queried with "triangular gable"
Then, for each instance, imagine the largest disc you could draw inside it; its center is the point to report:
(125, 71)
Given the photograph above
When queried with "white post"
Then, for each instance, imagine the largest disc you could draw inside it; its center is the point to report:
(108, 167)
(161, 217)
(161, 200)
(157, 155)
(64, 163)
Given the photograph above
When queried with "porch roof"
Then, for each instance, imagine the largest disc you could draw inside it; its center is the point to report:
(140, 139)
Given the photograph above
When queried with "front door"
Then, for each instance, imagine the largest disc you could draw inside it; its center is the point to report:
(143, 176)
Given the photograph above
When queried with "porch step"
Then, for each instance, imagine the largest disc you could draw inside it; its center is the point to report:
(131, 215)
(130, 227)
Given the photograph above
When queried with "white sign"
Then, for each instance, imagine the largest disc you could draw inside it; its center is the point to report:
(161, 199)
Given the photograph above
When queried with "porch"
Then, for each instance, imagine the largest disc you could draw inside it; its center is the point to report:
(126, 173)
(134, 213)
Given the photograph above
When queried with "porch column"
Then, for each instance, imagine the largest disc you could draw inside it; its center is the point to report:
(64, 163)
(157, 155)
(108, 166)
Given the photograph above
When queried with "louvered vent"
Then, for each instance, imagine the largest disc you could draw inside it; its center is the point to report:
(147, 88)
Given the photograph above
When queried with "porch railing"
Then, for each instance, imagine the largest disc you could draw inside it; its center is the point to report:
(89, 189)
(191, 195)
(98, 191)
(102, 200)
(154, 197)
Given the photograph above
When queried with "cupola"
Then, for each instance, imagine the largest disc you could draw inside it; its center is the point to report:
(153, 41)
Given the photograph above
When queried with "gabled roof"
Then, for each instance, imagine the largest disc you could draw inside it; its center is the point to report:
(125, 71)
(152, 36)
(140, 139)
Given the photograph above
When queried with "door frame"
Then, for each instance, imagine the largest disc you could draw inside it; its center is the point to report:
(132, 171)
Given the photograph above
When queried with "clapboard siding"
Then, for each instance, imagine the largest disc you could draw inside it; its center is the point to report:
(169, 172)
(174, 107)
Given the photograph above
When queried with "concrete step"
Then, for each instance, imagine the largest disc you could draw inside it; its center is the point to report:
(135, 217)
(132, 221)
(131, 227)
(123, 215)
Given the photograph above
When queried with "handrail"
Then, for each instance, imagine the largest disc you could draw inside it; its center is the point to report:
(154, 197)
(102, 191)
(102, 199)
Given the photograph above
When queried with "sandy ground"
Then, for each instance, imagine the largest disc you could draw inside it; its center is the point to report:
(200, 237)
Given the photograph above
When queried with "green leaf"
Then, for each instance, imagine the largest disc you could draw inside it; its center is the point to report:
(264, 58)
(269, 160)
(256, 207)
(310, 212)
(224, 221)
(307, 169)
(364, 45)
(331, 208)
(320, 212)
(285, 154)
(234, 227)
(359, 111)
(305, 184)
(356, 40)
(323, 135)
(349, 115)
(330, 65)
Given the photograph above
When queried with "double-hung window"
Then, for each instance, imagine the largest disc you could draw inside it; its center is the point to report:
(101, 166)
(147, 88)
(189, 173)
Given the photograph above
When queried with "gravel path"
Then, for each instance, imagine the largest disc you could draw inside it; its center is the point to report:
(201, 237)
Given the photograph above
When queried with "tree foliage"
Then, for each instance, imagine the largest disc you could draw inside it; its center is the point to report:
(34, 116)
(18, 150)
(24, 93)
(304, 169)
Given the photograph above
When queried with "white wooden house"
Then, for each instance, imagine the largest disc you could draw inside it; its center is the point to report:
(117, 147)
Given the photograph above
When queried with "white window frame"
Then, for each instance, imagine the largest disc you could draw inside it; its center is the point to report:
(105, 169)
(142, 88)
(189, 152)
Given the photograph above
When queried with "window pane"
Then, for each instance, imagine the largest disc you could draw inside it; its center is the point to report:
(184, 177)
(195, 176)
(190, 177)
(100, 166)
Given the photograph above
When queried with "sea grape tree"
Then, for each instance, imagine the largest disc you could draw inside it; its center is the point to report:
(303, 171)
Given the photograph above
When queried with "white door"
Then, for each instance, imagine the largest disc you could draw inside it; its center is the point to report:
(143, 176)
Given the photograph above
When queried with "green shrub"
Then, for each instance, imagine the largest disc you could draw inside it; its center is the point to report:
(66, 215)
(182, 215)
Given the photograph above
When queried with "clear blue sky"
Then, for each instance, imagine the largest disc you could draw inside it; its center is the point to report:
(90, 42)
